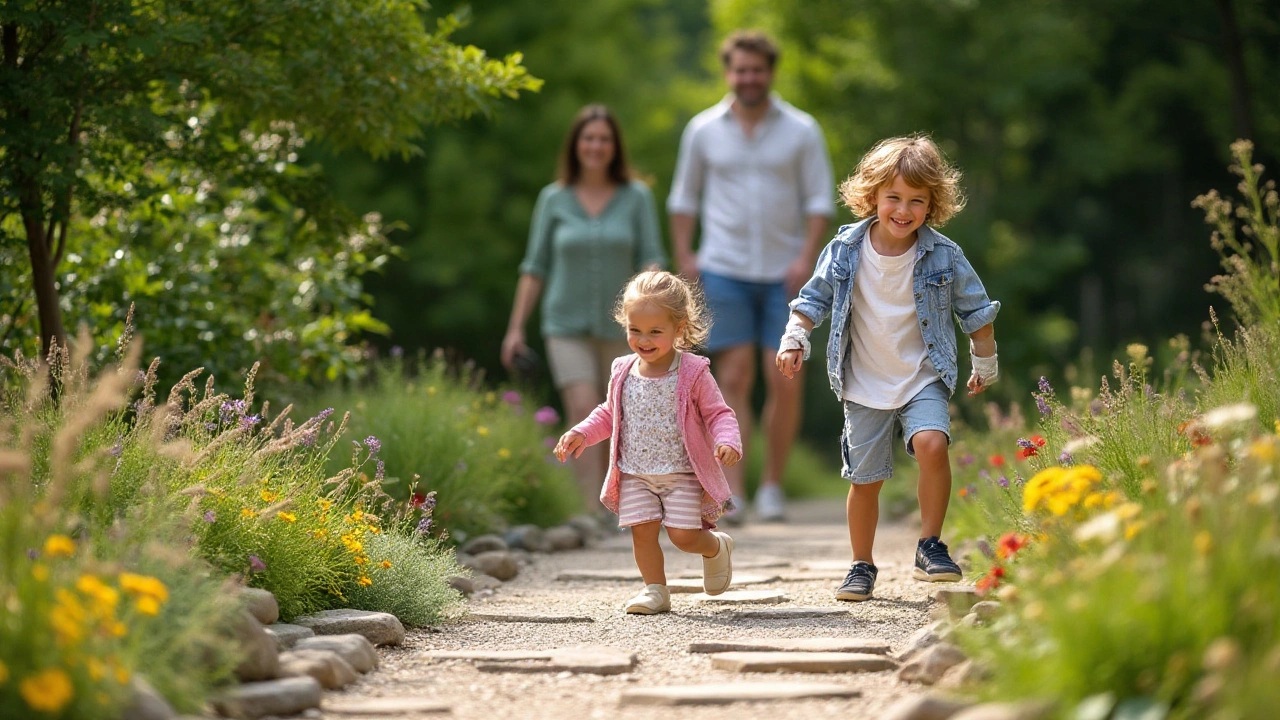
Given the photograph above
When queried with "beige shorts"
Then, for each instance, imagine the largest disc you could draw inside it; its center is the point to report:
(676, 500)
(586, 360)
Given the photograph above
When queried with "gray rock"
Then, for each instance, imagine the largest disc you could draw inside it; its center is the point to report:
(527, 537)
(1025, 710)
(929, 665)
(287, 635)
(499, 563)
(259, 650)
(924, 637)
(485, 582)
(805, 662)
(250, 701)
(326, 666)
(145, 703)
(484, 544)
(379, 628)
(987, 609)
(726, 693)
(588, 525)
(462, 584)
(957, 599)
(384, 706)
(355, 649)
(589, 660)
(261, 604)
(924, 707)
(970, 621)
(563, 537)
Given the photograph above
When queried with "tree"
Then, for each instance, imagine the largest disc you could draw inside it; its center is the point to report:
(95, 95)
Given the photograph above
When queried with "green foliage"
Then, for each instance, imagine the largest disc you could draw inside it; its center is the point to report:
(414, 588)
(485, 454)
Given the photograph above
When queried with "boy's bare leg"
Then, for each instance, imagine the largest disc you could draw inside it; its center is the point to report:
(700, 542)
(735, 370)
(934, 490)
(644, 543)
(863, 506)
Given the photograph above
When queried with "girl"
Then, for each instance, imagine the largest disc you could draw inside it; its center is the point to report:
(668, 426)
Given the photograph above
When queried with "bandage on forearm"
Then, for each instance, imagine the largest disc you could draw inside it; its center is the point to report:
(795, 337)
(987, 368)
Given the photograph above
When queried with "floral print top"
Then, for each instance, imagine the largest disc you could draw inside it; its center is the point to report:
(651, 443)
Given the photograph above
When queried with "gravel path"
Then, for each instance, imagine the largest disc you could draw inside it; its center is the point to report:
(809, 553)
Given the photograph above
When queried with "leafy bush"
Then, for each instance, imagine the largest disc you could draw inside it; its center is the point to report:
(411, 582)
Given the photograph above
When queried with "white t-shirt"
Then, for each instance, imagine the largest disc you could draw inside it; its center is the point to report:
(887, 364)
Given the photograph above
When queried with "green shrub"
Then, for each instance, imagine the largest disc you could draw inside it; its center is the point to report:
(410, 582)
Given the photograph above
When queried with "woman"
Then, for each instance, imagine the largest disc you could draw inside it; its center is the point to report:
(592, 230)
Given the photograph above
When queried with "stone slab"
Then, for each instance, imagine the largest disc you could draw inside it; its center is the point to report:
(817, 644)
(621, 575)
(725, 693)
(288, 696)
(694, 584)
(384, 706)
(491, 655)
(742, 597)
(594, 660)
(789, 613)
(379, 628)
(355, 649)
(523, 618)
(806, 662)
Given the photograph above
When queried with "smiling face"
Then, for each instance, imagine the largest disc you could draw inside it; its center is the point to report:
(651, 334)
(595, 146)
(749, 77)
(901, 209)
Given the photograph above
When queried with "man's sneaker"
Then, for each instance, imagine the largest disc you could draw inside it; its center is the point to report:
(736, 516)
(770, 503)
(934, 563)
(859, 583)
(652, 600)
(717, 572)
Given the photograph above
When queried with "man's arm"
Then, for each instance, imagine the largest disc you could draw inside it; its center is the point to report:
(683, 203)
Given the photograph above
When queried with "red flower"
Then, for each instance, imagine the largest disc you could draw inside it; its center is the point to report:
(1193, 433)
(418, 500)
(1024, 453)
(990, 581)
(1009, 544)
(1038, 440)
(996, 460)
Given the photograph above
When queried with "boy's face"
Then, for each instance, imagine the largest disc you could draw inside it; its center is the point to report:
(901, 208)
(749, 77)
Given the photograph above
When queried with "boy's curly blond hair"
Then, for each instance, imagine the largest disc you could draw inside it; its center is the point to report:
(917, 160)
(673, 294)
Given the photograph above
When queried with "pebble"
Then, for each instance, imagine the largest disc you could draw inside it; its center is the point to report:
(527, 537)
(379, 628)
(463, 585)
(483, 544)
(929, 665)
(485, 582)
(498, 563)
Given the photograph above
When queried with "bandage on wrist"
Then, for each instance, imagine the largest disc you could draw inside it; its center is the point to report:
(795, 338)
(987, 368)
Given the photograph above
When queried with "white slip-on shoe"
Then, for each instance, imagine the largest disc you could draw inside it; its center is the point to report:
(717, 572)
(652, 600)
(770, 503)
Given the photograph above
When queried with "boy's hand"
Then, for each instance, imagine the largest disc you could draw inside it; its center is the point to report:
(727, 456)
(976, 385)
(789, 362)
(570, 443)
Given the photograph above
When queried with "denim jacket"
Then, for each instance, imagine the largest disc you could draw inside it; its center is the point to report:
(944, 283)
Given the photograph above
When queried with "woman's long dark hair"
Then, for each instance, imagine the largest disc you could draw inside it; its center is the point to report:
(571, 167)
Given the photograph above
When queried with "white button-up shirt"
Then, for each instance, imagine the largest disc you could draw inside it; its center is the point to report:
(755, 193)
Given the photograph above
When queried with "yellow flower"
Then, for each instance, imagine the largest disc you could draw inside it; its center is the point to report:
(147, 605)
(268, 496)
(47, 691)
(104, 597)
(118, 629)
(1204, 542)
(385, 564)
(4, 673)
(482, 431)
(360, 559)
(1128, 511)
(287, 517)
(325, 504)
(1133, 528)
(144, 585)
(374, 530)
(504, 453)
(431, 390)
(246, 512)
(59, 546)
(67, 617)
(364, 581)
(97, 668)
(39, 572)
(122, 675)
(1263, 450)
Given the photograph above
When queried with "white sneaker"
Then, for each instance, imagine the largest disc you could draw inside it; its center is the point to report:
(652, 600)
(770, 503)
(717, 572)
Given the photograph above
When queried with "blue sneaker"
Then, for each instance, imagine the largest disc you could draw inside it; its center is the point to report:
(859, 583)
(934, 563)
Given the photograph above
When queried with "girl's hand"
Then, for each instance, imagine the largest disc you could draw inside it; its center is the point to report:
(727, 456)
(570, 443)
(789, 362)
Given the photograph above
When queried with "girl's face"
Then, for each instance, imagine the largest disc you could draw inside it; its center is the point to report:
(651, 333)
(900, 208)
(595, 145)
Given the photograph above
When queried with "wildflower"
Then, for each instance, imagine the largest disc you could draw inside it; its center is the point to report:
(385, 564)
(246, 512)
(1026, 452)
(503, 453)
(1133, 528)
(964, 492)
(424, 525)
(231, 410)
(1065, 458)
(210, 516)
(104, 597)
(1003, 481)
(268, 496)
(1203, 542)
(971, 489)
(32, 553)
(1227, 415)
(511, 397)
(965, 460)
(148, 605)
(143, 585)
(482, 431)
(990, 581)
(287, 517)
(984, 474)
(996, 460)
(256, 564)
(364, 581)
(249, 421)
(118, 449)
(118, 629)
(374, 444)
(1096, 407)
(1009, 545)
(397, 351)
(1059, 489)
(1042, 406)
(1263, 450)
(1044, 386)
(59, 546)
(47, 691)
(360, 559)
(1080, 443)
(381, 473)
(546, 415)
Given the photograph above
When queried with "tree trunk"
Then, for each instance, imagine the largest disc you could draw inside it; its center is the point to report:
(42, 278)
(1233, 48)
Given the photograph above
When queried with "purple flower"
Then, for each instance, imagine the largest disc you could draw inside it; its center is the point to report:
(309, 437)
(210, 516)
(965, 460)
(971, 489)
(546, 415)
(1003, 481)
(374, 444)
(1065, 458)
(117, 449)
(1044, 386)
(511, 397)
(249, 421)
(211, 426)
(549, 441)
(397, 351)
(381, 472)
(424, 525)
(231, 410)
(32, 553)
(1042, 406)
(1026, 444)
(1096, 407)
(984, 474)
(256, 564)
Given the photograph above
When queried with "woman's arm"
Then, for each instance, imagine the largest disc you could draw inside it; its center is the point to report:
(528, 289)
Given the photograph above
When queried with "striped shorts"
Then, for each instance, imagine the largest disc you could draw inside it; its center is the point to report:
(676, 500)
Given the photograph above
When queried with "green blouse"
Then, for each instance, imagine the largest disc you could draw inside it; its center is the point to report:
(586, 261)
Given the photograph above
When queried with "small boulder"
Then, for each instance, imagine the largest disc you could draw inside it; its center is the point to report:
(986, 610)
(483, 544)
(564, 537)
(287, 635)
(326, 666)
(527, 537)
(485, 582)
(924, 707)
(258, 649)
(355, 649)
(499, 564)
(462, 584)
(261, 604)
(929, 665)
(588, 525)
(928, 635)
(250, 701)
(958, 599)
(379, 628)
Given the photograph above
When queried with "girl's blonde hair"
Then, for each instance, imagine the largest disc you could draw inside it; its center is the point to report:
(915, 159)
(681, 300)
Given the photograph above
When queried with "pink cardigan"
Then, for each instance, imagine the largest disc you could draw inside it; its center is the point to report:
(705, 422)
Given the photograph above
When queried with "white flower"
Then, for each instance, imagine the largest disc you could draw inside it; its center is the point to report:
(1104, 527)
(1228, 415)
(1080, 443)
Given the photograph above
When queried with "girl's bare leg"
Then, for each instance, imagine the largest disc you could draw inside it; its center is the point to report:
(648, 553)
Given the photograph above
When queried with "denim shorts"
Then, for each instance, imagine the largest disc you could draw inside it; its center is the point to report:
(866, 445)
(744, 312)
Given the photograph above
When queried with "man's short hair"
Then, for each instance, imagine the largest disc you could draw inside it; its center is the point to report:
(752, 41)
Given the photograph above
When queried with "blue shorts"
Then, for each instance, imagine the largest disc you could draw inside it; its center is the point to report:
(744, 312)
(866, 445)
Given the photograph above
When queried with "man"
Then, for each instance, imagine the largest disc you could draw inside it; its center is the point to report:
(756, 170)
